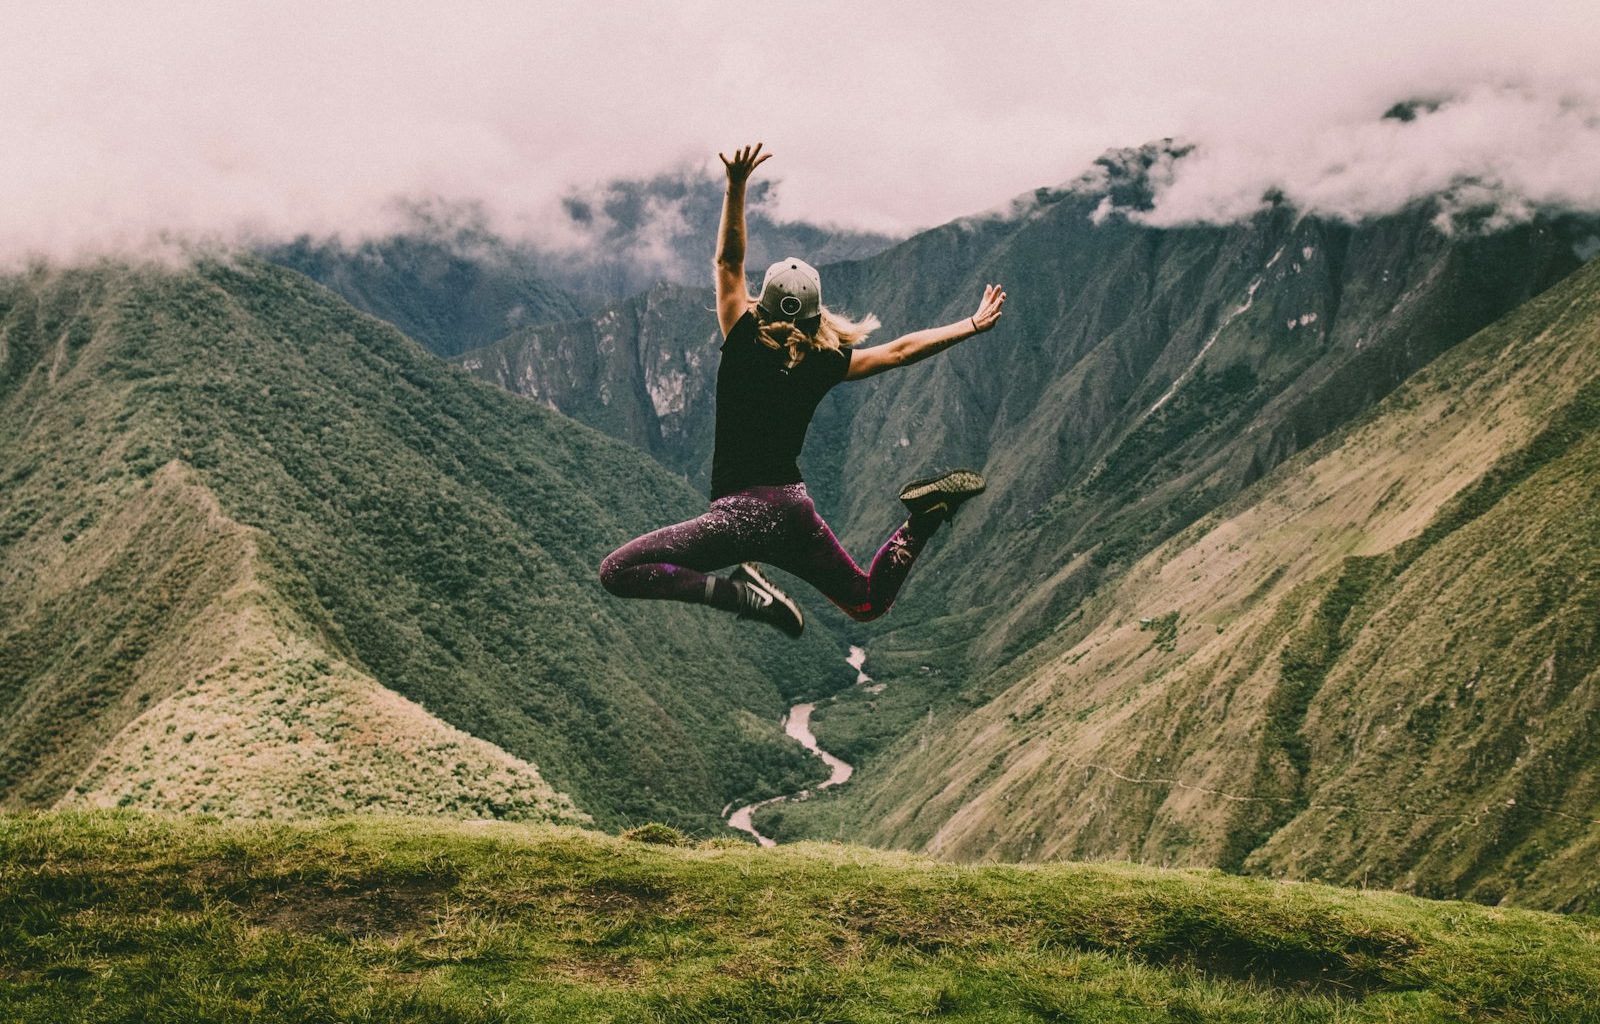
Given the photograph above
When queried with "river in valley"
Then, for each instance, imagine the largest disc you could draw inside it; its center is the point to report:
(797, 723)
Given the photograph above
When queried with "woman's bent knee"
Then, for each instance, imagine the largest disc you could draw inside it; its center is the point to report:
(862, 612)
(611, 568)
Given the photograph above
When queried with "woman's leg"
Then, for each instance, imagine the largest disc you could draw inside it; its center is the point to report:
(674, 562)
(814, 554)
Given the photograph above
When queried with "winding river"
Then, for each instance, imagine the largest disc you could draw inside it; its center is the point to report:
(797, 723)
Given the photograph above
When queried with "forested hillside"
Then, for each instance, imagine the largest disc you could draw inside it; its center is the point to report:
(238, 518)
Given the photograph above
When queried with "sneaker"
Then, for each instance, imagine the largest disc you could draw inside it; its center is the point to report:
(943, 493)
(760, 599)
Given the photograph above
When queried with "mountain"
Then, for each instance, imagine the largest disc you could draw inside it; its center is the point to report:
(1141, 377)
(120, 917)
(1378, 665)
(1142, 380)
(453, 283)
(450, 288)
(262, 554)
(640, 232)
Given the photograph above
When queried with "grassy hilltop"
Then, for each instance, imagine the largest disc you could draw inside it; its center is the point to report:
(116, 916)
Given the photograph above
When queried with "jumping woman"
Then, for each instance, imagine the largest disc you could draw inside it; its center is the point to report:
(781, 353)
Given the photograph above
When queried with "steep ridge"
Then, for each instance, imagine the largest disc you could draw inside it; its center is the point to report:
(256, 719)
(214, 472)
(1379, 665)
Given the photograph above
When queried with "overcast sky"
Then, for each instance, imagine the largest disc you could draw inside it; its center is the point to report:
(122, 121)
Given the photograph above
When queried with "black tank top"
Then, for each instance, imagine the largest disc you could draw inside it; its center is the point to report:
(763, 409)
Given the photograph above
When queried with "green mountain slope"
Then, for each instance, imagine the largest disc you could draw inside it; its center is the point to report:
(126, 918)
(154, 665)
(1378, 665)
(225, 474)
(450, 290)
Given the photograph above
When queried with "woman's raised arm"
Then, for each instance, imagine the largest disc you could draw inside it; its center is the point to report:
(733, 298)
(909, 348)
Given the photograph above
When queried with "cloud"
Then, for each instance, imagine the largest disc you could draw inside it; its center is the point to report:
(125, 124)
(1495, 152)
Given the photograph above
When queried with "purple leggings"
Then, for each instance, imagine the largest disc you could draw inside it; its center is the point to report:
(776, 525)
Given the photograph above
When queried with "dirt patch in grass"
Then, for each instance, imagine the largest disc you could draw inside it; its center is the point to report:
(928, 928)
(611, 971)
(617, 894)
(388, 909)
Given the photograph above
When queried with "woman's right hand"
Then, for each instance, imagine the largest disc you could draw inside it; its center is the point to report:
(744, 161)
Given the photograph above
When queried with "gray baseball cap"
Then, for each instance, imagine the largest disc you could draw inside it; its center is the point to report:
(791, 290)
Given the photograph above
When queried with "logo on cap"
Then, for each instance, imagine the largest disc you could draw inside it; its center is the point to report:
(790, 305)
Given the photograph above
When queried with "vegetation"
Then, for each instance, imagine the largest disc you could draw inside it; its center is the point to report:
(1377, 666)
(1263, 338)
(355, 501)
(450, 290)
(123, 917)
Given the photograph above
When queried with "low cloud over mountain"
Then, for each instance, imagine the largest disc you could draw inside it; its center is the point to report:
(1497, 153)
(129, 126)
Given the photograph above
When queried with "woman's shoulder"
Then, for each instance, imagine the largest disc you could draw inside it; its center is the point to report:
(744, 327)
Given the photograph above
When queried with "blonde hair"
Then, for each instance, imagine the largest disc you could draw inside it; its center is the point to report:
(833, 332)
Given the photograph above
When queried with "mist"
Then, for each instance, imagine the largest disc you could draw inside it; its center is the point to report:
(135, 126)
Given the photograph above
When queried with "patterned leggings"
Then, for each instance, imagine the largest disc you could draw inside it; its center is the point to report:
(775, 525)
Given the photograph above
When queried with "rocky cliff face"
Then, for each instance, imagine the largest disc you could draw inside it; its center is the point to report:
(643, 370)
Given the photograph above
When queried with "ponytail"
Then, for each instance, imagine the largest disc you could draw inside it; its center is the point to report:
(833, 332)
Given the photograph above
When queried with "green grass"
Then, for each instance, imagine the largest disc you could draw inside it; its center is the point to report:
(115, 916)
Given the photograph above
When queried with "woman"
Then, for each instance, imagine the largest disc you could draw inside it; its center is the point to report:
(780, 354)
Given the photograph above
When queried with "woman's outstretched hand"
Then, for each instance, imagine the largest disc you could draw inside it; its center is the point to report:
(744, 161)
(988, 314)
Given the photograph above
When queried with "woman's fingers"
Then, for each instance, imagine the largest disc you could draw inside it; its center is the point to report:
(745, 159)
(994, 299)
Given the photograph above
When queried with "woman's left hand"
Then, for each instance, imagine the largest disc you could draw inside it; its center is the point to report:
(988, 314)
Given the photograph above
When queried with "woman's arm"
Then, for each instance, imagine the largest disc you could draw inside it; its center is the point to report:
(733, 298)
(909, 348)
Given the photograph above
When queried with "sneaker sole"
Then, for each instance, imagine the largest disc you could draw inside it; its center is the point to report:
(755, 576)
(962, 481)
